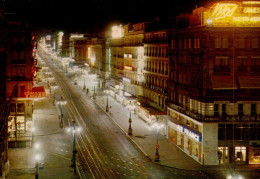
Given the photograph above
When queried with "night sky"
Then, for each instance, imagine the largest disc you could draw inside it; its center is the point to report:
(94, 14)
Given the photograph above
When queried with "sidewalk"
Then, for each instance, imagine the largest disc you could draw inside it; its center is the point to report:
(55, 146)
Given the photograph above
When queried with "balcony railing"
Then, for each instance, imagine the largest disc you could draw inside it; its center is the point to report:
(225, 118)
(20, 78)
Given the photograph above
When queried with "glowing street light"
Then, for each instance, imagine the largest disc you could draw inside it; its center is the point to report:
(61, 102)
(131, 107)
(74, 129)
(37, 159)
(94, 95)
(158, 126)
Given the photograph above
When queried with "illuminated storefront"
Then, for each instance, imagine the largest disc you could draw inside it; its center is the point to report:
(188, 140)
(20, 119)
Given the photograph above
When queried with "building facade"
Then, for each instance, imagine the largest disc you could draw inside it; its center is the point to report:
(20, 72)
(156, 67)
(4, 110)
(214, 112)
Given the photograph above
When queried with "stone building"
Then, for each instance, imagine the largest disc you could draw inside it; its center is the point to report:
(213, 106)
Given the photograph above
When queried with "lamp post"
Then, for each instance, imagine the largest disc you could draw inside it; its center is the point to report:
(84, 87)
(158, 127)
(131, 107)
(94, 95)
(74, 130)
(107, 107)
(76, 80)
(37, 159)
(54, 88)
(61, 102)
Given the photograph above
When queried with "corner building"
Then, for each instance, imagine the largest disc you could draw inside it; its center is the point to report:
(214, 84)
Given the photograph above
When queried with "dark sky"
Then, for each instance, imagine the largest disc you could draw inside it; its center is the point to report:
(73, 14)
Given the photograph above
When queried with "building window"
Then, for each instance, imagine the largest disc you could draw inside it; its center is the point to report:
(253, 109)
(242, 67)
(240, 110)
(254, 43)
(196, 43)
(221, 64)
(225, 43)
(241, 43)
(189, 43)
(223, 155)
(221, 43)
(224, 112)
(240, 154)
(215, 110)
(173, 44)
(217, 43)
(255, 64)
(185, 43)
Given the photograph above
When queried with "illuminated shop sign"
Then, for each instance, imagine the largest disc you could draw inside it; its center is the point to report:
(190, 133)
(246, 13)
(35, 94)
(128, 68)
(222, 10)
(76, 35)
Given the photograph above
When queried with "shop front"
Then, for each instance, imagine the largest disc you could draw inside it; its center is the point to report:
(188, 140)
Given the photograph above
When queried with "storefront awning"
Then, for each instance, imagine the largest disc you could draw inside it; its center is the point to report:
(249, 81)
(152, 111)
(223, 82)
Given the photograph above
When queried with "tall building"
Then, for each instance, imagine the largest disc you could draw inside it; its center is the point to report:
(213, 106)
(4, 110)
(20, 71)
(127, 54)
(156, 72)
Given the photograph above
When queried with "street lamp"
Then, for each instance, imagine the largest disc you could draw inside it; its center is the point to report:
(74, 129)
(84, 87)
(61, 102)
(107, 107)
(158, 126)
(37, 159)
(54, 88)
(94, 95)
(76, 80)
(130, 107)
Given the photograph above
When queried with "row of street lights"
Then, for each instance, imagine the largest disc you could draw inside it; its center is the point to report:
(131, 107)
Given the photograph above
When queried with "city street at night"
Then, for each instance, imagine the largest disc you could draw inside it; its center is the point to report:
(129, 89)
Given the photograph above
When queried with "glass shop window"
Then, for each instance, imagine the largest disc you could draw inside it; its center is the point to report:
(240, 154)
(223, 155)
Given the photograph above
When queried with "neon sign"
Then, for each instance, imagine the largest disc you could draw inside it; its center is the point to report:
(35, 94)
(233, 14)
(255, 10)
(223, 10)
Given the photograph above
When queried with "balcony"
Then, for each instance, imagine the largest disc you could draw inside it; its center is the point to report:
(20, 78)
(225, 118)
